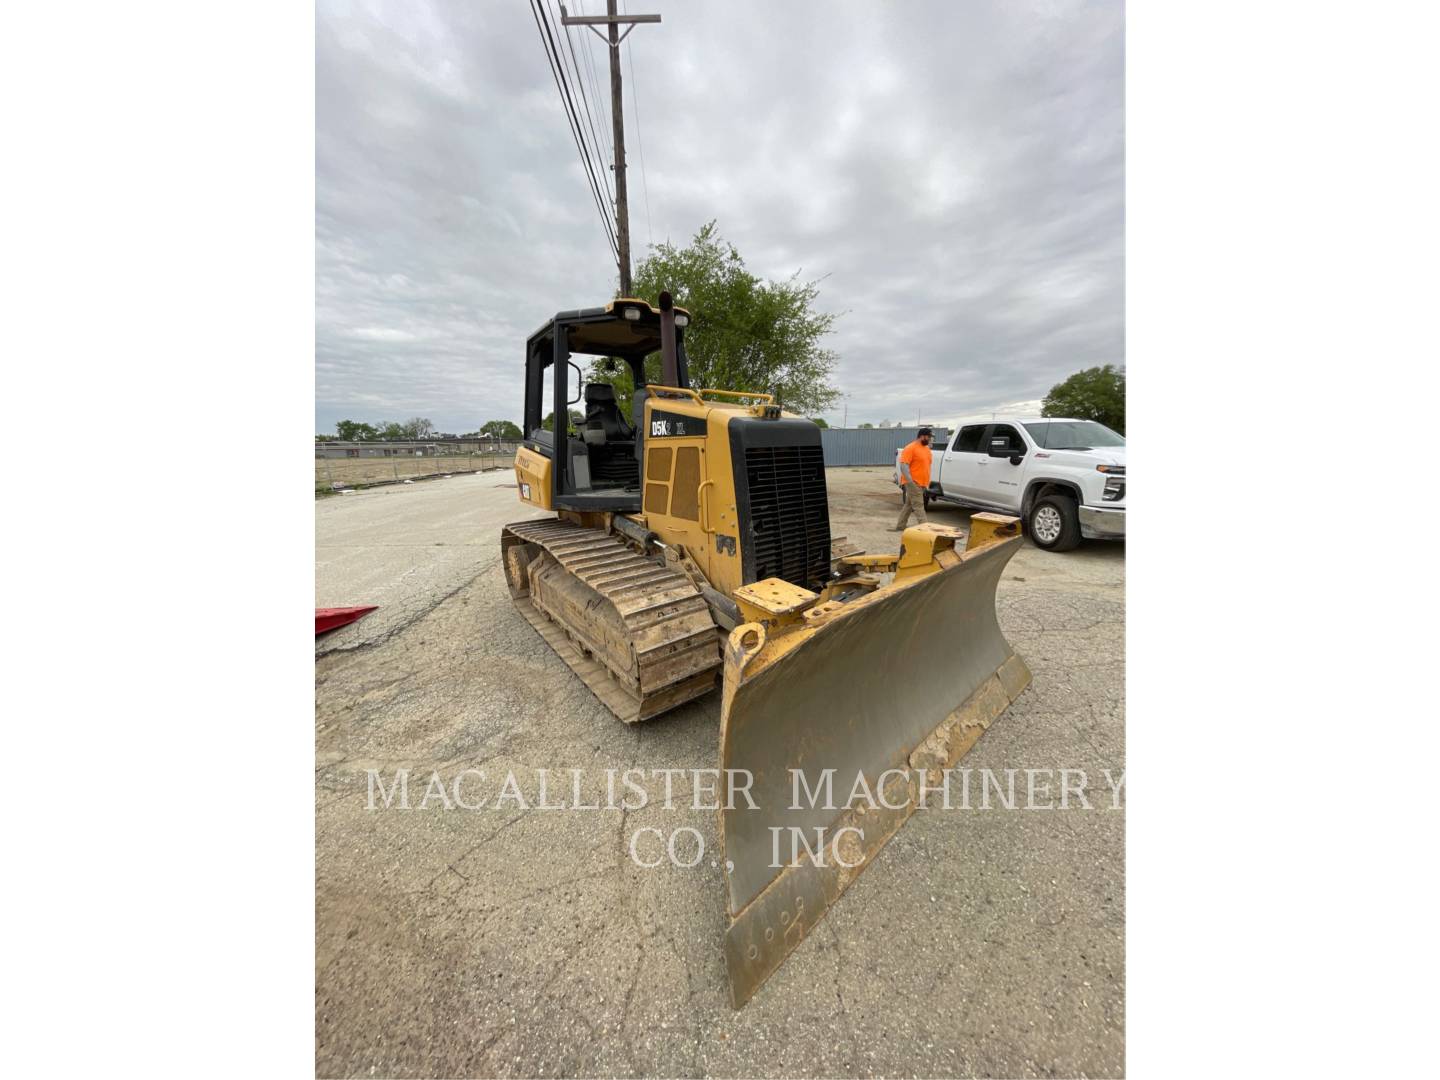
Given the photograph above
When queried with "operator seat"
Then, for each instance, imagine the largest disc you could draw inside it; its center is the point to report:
(609, 441)
(603, 422)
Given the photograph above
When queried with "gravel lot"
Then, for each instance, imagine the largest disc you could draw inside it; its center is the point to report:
(506, 942)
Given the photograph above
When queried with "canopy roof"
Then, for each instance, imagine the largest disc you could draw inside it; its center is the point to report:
(608, 331)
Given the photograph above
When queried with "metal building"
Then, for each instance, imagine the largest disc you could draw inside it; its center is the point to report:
(871, 446)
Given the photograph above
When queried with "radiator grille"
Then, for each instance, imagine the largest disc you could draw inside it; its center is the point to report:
(789, 534)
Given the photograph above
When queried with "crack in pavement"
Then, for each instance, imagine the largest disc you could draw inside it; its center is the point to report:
(400, 627)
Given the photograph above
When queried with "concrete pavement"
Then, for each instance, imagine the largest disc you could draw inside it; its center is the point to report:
(406, 547)
(510, 942)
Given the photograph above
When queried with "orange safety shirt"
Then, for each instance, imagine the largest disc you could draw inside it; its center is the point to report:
(917, 456)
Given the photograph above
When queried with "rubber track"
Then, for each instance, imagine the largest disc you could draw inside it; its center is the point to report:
(673, 653)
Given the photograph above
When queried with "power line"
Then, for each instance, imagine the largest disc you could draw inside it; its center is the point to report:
(557, 72)
(640, 144)
(612, 20)
(568, 103)
(585, 100)
(589, 52)
(592, 160)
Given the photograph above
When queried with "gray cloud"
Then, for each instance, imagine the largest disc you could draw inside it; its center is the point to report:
(954, 172)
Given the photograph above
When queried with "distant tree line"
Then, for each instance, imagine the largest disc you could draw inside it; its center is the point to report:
(358, 431)
(1096, 393)
(500, 429)
(416, 428)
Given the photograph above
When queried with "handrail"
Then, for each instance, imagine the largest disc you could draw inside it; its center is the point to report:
(769, 398)
(696, 394)
(655, 388)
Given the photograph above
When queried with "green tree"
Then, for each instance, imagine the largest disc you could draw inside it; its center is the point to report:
(819, 421)
(1096, 393)
(744, 334)
(391, 430)
(577, 420)
(501, 429)
(866, 425)
(350, 431)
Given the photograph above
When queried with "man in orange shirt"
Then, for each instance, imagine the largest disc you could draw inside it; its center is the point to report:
(914, 478)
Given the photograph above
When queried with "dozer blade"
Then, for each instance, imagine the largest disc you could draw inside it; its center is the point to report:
(883, 689)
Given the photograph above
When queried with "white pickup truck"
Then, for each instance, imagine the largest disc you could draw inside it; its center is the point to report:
(1064, 478)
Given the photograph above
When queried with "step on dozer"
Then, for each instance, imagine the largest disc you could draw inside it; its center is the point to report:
(690, 549)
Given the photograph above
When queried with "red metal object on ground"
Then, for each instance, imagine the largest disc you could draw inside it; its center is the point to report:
(332, 618)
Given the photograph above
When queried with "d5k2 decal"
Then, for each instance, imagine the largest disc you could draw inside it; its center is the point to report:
(669, 425)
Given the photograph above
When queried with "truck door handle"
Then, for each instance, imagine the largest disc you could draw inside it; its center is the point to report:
(704, 512)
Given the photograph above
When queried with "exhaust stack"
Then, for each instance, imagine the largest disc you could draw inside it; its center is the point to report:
(669, 367)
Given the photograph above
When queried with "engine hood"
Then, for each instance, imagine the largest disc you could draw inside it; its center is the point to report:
(1102, 455)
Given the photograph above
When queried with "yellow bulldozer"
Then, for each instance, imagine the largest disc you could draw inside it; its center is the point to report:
(690, 548)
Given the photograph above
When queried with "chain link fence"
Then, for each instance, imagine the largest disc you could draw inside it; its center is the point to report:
(339, 473)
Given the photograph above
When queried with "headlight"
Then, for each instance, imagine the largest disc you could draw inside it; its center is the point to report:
(633, 314)
(1114, 489)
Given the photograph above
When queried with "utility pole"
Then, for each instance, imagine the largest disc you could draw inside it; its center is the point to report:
(613, 21)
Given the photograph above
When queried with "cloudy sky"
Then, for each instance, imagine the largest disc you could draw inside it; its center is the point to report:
(953, 171)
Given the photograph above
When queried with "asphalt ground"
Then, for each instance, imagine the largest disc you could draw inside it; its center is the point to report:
(509, 942)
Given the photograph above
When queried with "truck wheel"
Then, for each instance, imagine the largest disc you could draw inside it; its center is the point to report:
(1054, 523)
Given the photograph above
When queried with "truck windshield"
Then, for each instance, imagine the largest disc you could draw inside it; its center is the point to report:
(1072, 435)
